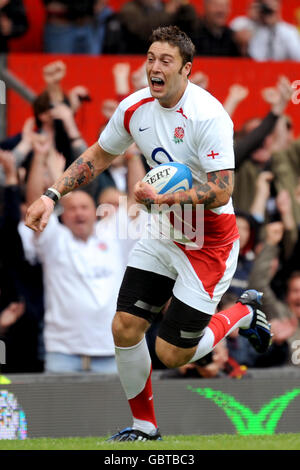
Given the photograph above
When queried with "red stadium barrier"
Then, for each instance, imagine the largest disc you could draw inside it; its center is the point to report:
(96, 75)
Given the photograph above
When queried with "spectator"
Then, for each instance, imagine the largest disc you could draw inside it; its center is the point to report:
(248, 229)
(213, 37)
(243, 30)
(69, 26)
(140, 17)
(81, 285)
(293, 301)
(238, 349)
(286, 167)
(264, 269)
(283, 314)
(103, 15)
(269, 37)
(13, 22)
(21, 298)
(254, 153)
(53, 116)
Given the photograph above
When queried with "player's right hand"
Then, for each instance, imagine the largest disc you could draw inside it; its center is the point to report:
(38, 213)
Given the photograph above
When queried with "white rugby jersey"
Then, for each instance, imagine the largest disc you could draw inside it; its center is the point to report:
(197, 132)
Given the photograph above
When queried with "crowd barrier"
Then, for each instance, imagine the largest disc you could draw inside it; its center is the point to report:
(263, 402)
(96, 74)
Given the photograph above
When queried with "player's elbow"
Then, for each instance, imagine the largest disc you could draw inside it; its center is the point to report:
(225, 197)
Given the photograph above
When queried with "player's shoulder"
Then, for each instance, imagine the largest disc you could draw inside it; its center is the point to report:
(136, 98)
(202, 105)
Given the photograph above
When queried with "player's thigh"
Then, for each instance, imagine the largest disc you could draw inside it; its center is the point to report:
(143, 293)
(205, 275)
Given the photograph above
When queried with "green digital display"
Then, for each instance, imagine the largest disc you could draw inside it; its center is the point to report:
(246, 421)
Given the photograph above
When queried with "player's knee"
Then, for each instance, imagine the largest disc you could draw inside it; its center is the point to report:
(128, 329)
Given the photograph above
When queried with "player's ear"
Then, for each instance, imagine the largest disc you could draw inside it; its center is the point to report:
(187, 68)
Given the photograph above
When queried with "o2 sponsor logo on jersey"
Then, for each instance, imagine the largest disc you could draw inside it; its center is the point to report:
(160, 155)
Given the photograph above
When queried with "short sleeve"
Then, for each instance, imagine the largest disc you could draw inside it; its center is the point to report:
(115, 139)
(215, 143)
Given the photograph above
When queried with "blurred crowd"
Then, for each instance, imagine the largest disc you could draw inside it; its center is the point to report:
(58, 289)
(94, 27)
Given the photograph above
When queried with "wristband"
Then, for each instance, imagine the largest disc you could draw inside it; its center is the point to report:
(52, 194)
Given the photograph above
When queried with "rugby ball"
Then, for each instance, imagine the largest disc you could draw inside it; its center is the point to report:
(169, 178)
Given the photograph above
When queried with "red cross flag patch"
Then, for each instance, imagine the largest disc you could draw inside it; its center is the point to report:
(212, 155)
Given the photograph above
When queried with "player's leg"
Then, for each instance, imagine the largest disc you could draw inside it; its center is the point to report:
(245, 315)
(180, 332)
(142, 296)
(187, 335)
(203, 278)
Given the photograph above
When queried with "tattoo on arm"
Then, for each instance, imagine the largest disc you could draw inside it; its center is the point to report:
(79, 173)
(214, 193)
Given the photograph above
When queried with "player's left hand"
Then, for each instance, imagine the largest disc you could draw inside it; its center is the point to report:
(145, 194)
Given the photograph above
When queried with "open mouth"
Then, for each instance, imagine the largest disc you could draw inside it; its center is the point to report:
(157, 83)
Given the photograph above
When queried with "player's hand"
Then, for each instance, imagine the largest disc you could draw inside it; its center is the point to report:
(145, 194)
(38, 213)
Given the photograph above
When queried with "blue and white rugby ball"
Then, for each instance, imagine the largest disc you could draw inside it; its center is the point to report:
(169, 178)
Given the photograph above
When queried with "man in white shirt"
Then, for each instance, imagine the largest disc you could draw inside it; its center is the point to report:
(185, 124)
(83, 269)
(270, 37)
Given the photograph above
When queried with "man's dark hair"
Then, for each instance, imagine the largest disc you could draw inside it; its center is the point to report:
(40, 105)
(294, 275)
(174, 36)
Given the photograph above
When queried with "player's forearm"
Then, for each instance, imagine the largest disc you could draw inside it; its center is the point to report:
(83, 170)
(216, 192)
